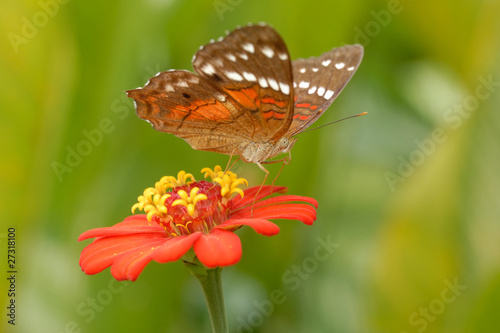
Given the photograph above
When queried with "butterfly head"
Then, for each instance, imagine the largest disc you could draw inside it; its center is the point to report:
(259, 152)
(284, 145)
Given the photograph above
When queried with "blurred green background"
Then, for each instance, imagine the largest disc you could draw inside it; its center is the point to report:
(410, 193)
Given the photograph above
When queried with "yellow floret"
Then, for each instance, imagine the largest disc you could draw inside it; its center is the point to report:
(228, 181)
(189, 201)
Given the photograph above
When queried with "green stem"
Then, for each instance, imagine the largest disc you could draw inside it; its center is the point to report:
(211, 283)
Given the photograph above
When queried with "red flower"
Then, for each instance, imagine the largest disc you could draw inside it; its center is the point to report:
(204, 220)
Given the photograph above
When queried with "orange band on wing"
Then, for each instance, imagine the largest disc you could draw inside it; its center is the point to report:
(306, 105)
(273, 114)
(151, 100)
(182, 108)
(213, 111)
(270, 100)
(248, 98)
(301, 117)
(202, 110)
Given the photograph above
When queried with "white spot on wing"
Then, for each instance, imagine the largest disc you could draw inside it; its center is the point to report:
(263, 82)
(208, 69)
(294, 84)
(234, 76)
(182, 84)
(219, 62)
(340, 65)
(302, 70)
(231, 57)
(329, 94)
(194, 79)
(248, 47)
(268, 52)
(321, 91)
(326, 62)
(169, 87)
(274, 85)
(220, 97)
(315, 69)
(243, 56)
(283, 56)
(249, 77)
(311, 90)
(285, 88)
(350, 68)
(304, 84)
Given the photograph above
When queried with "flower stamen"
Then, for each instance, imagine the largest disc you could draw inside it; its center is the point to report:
(228, 181)
(185, 226)
(169, 182)
(189, 201)
(152, 202)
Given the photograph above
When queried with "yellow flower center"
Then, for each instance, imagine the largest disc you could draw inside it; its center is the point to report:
(189, 201)
(153, 200)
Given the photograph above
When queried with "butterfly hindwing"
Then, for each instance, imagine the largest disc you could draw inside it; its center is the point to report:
(319, 80)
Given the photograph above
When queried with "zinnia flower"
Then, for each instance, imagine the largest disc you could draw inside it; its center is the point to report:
(182, 215)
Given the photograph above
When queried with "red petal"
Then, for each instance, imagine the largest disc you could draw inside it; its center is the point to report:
(129, 265)
(132, 225)
(249, 198)
(287, 198)
(218, 248)
(102, 253)
(261, 226)
(301, 212)
(175, 248)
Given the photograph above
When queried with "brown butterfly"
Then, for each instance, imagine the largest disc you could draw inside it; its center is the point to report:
(246, 98)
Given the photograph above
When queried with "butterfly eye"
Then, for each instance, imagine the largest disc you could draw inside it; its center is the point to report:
(284, 143)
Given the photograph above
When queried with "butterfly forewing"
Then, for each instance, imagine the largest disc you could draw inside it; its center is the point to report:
(186, 105)
(319, 80)
(252, 65)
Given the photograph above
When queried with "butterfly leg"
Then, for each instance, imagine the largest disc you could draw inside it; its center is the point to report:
(262, 185)
(279, 173)
(229, 162)
(285, 161)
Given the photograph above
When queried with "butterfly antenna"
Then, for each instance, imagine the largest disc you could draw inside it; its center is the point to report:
(333, 122)
(229, 166)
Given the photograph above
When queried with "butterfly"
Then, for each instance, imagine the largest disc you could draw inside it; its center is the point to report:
(247, 97)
